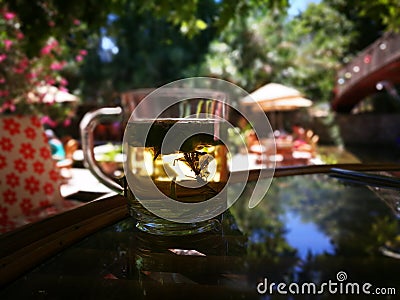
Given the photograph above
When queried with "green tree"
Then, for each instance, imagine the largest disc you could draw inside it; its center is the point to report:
(43, 18)
(367, 26)
(250, 51)
(370, 16)
(151, 52)
(157, 39)
(321, 37)
(257, 42)
(304, 52)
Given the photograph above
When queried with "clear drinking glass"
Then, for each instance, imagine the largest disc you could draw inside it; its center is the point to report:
(176, 161)
(178, 154)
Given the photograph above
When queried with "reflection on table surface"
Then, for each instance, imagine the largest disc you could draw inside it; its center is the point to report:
(307, 229)
(82, 180)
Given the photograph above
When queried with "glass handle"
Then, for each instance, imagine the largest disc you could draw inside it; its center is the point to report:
(87, 126)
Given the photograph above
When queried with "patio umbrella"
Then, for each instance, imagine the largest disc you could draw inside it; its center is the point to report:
(274, 97)
(272, 91)
(52, 94)
(285, 104)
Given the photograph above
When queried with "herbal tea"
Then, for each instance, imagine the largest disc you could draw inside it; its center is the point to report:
(183, 158)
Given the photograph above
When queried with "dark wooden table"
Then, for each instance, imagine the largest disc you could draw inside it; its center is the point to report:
(308, 232)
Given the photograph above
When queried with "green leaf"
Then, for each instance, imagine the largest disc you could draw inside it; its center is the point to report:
(200, 24)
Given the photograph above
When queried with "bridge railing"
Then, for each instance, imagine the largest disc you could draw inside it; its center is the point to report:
(380, 53)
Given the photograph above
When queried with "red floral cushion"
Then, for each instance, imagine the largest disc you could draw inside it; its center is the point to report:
(29, 179)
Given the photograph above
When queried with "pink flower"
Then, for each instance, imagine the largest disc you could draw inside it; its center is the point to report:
(79, 58)
(83, 52)
(49, 47)
(24, 63)
(67, 122)
(31, 75)
(7, 105)
(63, 82)
(7, 44)
(54, 43)
(18, 70)
(4, 93)
(23, 75)
(56, 66)
(9, 15)
(50, 81)
(46, 120)
(46, 50)
(76, 22)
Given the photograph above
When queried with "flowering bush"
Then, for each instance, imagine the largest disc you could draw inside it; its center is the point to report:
(25, 81)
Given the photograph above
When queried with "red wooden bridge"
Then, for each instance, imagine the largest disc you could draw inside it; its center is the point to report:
(375, 67)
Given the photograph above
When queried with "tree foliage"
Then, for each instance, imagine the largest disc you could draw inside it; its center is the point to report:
(43, 18)
(367, 27)
(321, 36)
(157, 40)
(378, 15)
(151, 51)
(250, 42)
(303, 52)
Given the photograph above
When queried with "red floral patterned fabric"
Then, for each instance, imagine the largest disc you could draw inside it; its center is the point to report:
(29, 180)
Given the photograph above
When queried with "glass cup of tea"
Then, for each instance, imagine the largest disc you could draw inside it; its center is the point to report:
(176, 156)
